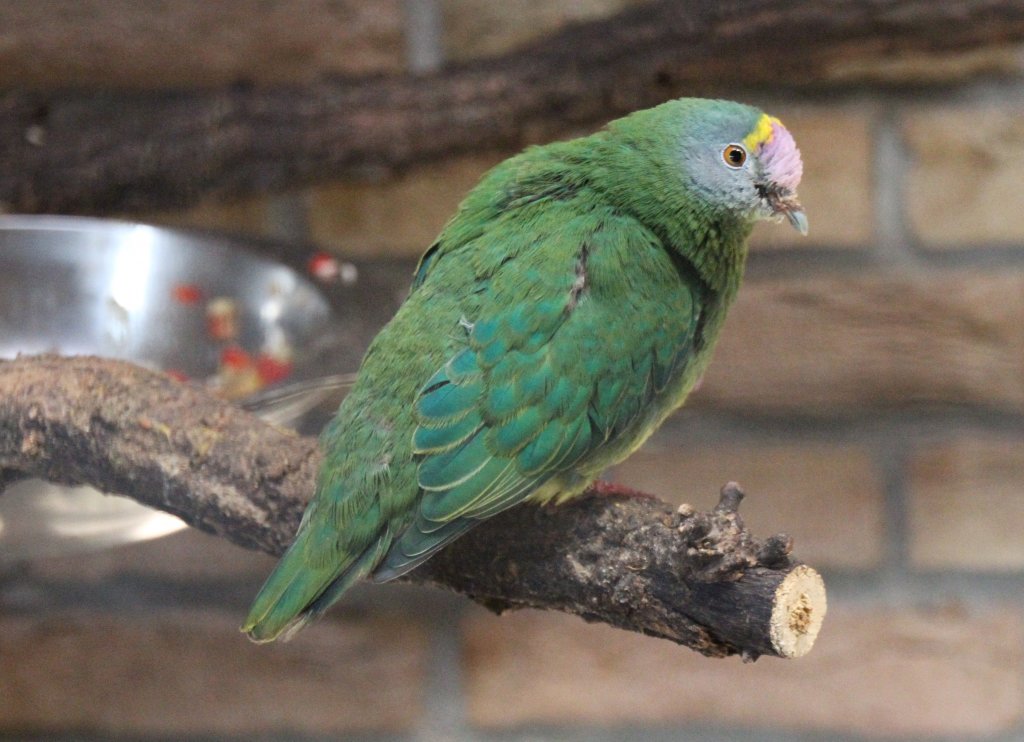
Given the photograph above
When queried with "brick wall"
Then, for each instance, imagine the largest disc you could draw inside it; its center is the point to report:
(868, 392)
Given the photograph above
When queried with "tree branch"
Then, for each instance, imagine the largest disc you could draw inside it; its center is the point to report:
(89, 152)
(699, 579)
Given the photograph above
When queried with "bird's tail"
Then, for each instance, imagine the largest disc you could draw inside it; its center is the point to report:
(300, 589)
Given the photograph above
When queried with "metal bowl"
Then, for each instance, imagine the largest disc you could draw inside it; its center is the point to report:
(141, 293)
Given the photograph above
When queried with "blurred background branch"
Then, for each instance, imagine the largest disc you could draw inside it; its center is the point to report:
(77, 151)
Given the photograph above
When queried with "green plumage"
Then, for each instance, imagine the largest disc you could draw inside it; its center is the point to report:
(566, 309)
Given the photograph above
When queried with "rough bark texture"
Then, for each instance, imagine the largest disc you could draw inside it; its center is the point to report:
(629, 561)
(114, 151)
(699, 579)
(124, 430)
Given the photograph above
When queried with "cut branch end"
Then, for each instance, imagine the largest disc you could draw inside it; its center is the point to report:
(798, 612)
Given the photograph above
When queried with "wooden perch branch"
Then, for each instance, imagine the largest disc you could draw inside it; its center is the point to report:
(699, 579)
(95, 152)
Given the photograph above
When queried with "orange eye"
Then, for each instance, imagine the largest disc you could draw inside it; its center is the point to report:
(734, 155)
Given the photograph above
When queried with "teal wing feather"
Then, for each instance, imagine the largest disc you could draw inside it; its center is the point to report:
(559, 365)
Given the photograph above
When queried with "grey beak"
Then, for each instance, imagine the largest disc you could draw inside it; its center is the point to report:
(798, 219)
(786, 204)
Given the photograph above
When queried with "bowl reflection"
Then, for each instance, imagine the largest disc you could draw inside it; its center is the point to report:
(199, 306)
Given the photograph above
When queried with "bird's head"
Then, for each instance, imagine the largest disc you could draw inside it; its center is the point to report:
(745, 162)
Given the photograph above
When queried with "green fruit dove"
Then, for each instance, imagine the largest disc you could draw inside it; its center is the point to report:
(566, 309)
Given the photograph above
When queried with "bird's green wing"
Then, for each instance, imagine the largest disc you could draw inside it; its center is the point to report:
(563, 356)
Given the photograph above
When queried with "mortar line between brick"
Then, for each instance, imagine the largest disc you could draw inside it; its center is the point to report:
(890, 160)
(534, 733)
(288, 217)
(922, 589)
(424, 48)
(697, 733)
(71, 735)
(877, 427)
(444, 718)
(981, 257)
(891, 461)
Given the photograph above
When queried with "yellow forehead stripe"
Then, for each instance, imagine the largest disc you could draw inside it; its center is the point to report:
(761, 133)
